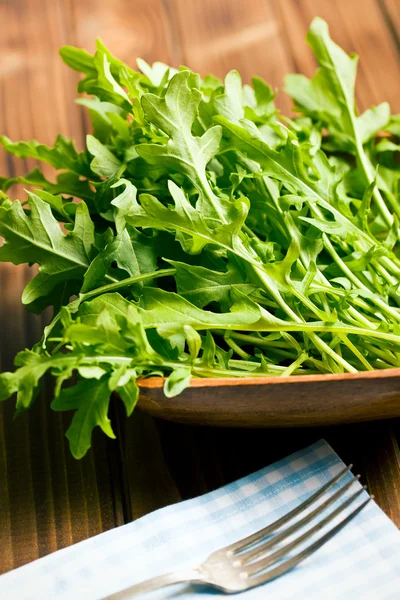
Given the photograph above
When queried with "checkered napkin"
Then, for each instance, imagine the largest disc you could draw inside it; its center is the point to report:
(361, 561)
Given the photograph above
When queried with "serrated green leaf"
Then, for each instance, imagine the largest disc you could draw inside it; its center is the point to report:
(91, 400)
(156, 73)
(177, 381)
(104, 163)
(36, 237)
(372, 121)
(63, 155)
(329, 97)
(174, 114)
(169, 312)
(201, 286)
(78, 59)
(119, 251)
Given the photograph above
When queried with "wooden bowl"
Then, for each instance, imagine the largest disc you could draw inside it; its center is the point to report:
(295, 401)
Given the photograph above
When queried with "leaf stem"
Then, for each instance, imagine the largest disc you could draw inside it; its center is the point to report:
(118, 285)
(294, 366)
(386, 308)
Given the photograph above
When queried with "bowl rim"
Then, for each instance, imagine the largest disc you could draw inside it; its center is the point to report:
(156, 382)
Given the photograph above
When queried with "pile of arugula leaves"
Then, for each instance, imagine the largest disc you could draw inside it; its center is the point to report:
(213, 237)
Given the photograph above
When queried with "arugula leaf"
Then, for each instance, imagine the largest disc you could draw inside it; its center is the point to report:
(169, 312)
(90, 399)
(104, 163)
(109, 122)
(63, 155)
(192, 230)
(177, 381)
(79, 60)
(329, 97)
(158, 73)
(201, 286)
(174, 114)
(119, 251)
(372, 121)
(36, 237)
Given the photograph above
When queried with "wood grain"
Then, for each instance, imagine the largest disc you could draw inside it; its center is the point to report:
(148, 483)
(381, 462)
(142, 28)
(47, 500)
(391, 12)
(219, 36)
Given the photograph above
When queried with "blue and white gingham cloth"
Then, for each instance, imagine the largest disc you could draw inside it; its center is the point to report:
(361, 561)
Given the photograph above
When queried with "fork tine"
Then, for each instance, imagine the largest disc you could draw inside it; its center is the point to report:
(298, 558)
(262, 533)
(262, 564)
(260, 550)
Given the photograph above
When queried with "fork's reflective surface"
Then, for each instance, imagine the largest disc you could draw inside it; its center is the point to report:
(261, 557)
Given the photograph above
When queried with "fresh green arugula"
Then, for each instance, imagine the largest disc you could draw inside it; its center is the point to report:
(202, 234)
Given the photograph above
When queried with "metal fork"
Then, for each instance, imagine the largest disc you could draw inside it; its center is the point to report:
(254, 560)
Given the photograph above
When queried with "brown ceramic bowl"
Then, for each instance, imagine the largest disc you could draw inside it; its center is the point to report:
(295, 401)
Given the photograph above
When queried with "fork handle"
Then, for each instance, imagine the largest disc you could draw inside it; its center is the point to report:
(155, 583)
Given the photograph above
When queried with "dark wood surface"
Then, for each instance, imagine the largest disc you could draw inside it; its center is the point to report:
(48, 500)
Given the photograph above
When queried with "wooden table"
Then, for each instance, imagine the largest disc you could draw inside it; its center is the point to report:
(48, 500)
